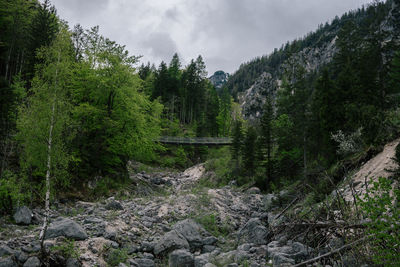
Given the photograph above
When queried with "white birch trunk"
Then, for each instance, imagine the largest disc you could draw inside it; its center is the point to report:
(49, 143)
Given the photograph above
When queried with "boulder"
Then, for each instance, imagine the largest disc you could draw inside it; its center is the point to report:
(66, 227)
(72, 262)
(114, 205)
(253, 190)
(32, 262)
(290, 253)
(23, 215)
(193, 232)
(8, 262)
(253, 232)
(201, 260)
(170, 241)
(181, 258)
(6, 251)
(142, 263)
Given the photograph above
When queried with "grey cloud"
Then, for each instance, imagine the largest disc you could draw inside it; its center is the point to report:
(161, 45)
(225, 32)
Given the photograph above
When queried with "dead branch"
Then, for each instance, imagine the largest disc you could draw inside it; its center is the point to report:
(331, 253)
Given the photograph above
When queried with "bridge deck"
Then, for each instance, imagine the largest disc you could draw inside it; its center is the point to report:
(220, 141)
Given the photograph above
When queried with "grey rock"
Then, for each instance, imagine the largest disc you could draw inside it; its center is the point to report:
(289, 253)
(114, 205)
(192, 232)
(210, 240)
(280, 259)
(67, 228)
(210, 265)
(208, 248)
(142, 263)
(6, 251)
(32, 262)
(122, 265)
(8, 262)
(21, 256)
(232, 265)
(147, 247)
(148, 256)
(23, 215)
(253, 190)
(201, 260)
(181, 258)
(170, 241)
(72, 262)
(253, 232)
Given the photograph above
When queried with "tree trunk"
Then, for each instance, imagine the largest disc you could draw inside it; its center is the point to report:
(47, 201)
(49, 143)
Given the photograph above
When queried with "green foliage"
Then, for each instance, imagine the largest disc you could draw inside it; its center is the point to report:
(114, 121)
(220, 162)
(249, 151)
(12, 192)
(47, 108)
(212, 225)
(116, 256)
(380, 205)
(67, 249)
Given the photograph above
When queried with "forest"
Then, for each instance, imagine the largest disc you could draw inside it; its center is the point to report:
(77, 108)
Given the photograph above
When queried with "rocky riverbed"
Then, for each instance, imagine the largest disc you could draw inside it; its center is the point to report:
(161, 219)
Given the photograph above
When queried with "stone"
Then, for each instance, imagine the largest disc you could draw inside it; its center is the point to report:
(142, 263)
(6, 251)
(210, 240)
(208, 248)
(32, 262)
(253, 232)
(290, 253)
(170, 241)
(21, 256)
(122, 265)
(23, 215)
(8, 262)
(201, 260)
(66, 227)
(114, 205)
(253, 190)
(147, 247)
(210, 265)
(181, 258)
(72, 262)
(192, 232)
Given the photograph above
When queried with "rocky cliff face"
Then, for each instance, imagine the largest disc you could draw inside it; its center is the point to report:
(319, 52)
(219, 79)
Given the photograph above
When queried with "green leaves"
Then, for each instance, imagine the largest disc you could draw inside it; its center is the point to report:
(380, 206)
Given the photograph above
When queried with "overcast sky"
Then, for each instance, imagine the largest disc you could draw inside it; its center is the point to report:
(225, 32)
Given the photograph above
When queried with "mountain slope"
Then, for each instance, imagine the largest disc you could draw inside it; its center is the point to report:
(262, 76)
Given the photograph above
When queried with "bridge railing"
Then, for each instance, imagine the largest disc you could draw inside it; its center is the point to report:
(195, 140)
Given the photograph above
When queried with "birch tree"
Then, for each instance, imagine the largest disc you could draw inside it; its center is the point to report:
(43, 121)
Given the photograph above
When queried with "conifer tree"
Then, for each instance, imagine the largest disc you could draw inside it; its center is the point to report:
(266, 138)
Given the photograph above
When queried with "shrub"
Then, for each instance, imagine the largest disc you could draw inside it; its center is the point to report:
(66, 249)
(116, 256)
(10, 192)
(380, 206)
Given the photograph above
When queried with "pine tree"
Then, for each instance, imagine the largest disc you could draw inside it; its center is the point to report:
(237, 142)
(266, 138)
(249, 151)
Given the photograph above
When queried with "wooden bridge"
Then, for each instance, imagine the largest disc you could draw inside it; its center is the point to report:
(199, 141)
